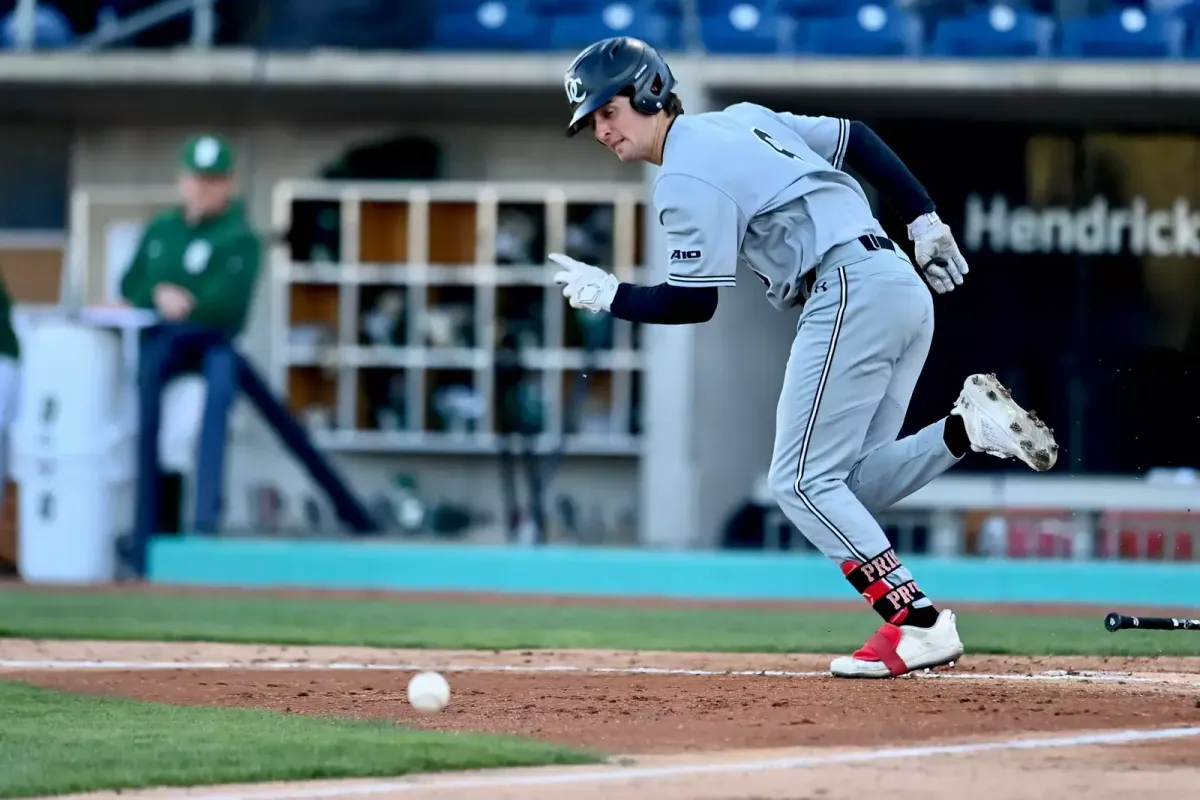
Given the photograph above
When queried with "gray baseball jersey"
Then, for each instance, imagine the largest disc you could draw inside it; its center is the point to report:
(766, 189)
(761, 187)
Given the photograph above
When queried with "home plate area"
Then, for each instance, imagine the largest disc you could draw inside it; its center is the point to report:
(680, 725)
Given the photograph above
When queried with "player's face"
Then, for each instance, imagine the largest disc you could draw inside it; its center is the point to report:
(623, 130)
(204, 194)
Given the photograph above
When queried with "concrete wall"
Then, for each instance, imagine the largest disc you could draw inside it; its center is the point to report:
(745, 348)
(620, 572)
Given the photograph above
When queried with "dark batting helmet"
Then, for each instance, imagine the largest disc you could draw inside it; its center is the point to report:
(613, 66)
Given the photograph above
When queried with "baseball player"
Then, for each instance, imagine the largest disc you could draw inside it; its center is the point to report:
(767, 189)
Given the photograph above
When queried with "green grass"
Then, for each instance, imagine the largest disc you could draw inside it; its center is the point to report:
(393, 623)
(53, 742)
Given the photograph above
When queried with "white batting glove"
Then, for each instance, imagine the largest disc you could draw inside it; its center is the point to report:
(937, 253)
(583, 285)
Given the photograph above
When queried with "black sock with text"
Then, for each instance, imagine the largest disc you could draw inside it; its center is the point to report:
(893, 603)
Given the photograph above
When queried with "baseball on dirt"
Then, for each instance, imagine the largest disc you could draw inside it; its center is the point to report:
(428, 692)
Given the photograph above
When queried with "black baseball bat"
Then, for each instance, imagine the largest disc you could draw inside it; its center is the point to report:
(1118, 622)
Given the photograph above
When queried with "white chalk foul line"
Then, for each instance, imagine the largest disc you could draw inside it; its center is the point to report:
(1048, 675)
(682, 771)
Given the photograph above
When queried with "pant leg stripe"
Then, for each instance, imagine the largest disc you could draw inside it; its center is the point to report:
(812, 418)
(854, 551)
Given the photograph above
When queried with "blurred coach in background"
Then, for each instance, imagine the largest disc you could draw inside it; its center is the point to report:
(196, 265)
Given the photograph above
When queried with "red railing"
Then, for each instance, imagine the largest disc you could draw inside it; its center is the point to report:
(1051, 533)
(1142, 535)
(1040, 533)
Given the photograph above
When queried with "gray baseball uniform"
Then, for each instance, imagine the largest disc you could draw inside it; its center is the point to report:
(766, 189)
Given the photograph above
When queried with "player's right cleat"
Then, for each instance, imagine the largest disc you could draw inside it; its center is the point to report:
(896, 650)
(996, 425)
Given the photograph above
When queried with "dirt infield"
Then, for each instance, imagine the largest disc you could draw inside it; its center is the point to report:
(700, 725)
(691, 726)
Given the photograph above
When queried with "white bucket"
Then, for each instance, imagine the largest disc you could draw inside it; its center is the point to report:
(72, 452)
(71, 510)
(72, 387)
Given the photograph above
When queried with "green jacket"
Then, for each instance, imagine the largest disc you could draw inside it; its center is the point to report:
(9, 345)
(217, 260)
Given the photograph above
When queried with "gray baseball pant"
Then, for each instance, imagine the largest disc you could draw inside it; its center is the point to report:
(860, 345)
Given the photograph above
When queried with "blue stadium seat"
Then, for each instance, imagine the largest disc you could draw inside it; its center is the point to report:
(745, 27)
(999, 31)
(869, 30)
(706, 8)
(804, 9)
(1188, 11)
(463, 6)
(50, 29)
(1126, 33)
(553, 7)
(664, 7)
(614, 18)
(491, 25)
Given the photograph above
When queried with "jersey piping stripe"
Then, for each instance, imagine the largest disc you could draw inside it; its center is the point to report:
(839, 152)
(703, 280)
(812, 419)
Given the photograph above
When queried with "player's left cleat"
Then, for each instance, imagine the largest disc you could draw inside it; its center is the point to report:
(996, 425)
(896, 650)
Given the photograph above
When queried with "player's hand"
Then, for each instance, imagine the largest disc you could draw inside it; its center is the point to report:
(937, 253)
(583, 285)
(173, 302)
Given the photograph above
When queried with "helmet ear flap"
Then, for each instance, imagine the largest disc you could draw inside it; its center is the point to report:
(651, 100)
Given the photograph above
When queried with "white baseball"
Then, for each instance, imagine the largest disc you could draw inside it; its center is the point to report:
(428, 692)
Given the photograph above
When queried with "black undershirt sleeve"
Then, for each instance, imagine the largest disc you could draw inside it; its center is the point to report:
(870, 157)
(663, 304)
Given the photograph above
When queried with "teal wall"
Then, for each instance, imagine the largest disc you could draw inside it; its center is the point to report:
(593, 571)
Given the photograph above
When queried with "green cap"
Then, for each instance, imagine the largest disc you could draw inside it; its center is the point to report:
(207, 154)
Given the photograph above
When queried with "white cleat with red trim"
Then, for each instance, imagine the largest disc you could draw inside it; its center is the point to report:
(996, 425)
(897, 650)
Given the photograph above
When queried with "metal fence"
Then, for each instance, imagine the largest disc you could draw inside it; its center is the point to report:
(110, 30)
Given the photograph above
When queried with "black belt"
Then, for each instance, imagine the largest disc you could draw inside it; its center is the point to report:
(870, 243)
(873, 242)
